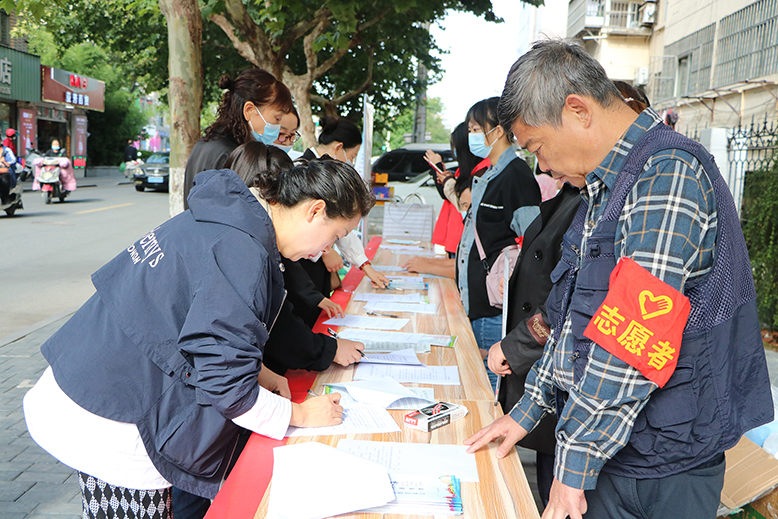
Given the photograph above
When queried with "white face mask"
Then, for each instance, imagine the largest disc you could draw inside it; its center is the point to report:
(345, 158)
(316, 258)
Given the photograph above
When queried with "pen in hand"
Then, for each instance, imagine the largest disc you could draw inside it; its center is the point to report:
(312, 393)
(335, 335)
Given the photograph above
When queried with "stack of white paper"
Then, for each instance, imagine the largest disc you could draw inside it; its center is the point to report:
(393, 341)
(402, 247)
(421, 459)
(417, 308)
(440, 375)
(357, 419)
(351, 483)
(406, 356)
(388, 298)
(376, 323)
(385, 392)
(409, 279)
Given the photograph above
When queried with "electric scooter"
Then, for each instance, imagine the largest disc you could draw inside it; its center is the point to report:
(10, 197)
(54, 177)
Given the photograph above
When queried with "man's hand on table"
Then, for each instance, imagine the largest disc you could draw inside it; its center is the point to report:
(348, 352)
(274, 383)
(416, 264)
(505, 427)
(497, 362)
(564, 501)
(318, 411)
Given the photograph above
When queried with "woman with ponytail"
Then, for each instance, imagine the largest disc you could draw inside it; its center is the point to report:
(251, 109)
(136, 409)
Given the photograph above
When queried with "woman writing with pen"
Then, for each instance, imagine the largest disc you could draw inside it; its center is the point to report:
(135, 410)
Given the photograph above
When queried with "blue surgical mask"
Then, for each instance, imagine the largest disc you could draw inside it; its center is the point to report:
(286, 149)
(55, 148)
(269, 135)
(477, 144)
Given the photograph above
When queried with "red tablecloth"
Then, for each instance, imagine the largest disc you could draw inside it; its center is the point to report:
(241, 494)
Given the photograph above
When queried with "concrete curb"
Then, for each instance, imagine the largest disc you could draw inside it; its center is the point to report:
(9, 339)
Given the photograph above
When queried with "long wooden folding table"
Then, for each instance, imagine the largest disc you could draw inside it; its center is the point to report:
(502, 490)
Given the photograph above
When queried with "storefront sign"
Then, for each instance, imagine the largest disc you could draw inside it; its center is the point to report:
(27, 131)
(79, 143)
(19, 75)
(61, 86)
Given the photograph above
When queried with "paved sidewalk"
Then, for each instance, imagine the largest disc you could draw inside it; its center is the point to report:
(32, 483)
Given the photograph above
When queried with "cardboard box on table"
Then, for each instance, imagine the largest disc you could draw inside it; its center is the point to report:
(750, 483)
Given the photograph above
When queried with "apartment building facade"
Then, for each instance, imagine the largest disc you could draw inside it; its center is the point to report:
(709, 66)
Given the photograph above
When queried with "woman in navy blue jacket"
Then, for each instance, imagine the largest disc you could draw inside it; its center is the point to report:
(150, 381)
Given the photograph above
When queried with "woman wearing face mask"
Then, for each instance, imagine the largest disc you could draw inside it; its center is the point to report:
(288, 134)
(136, 409)
(505, 200)
(340, 139)
(251, 110)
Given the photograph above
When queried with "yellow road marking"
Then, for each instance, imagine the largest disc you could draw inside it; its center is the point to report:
(104, 208)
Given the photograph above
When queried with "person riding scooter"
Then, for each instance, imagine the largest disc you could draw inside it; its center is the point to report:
(10, 188)
(54, 175)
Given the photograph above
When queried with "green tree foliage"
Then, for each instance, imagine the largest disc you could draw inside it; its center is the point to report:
(395, 128)
(122, 118)
(330, 52)
(760, 214)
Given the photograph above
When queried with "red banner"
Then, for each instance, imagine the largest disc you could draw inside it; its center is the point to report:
(641, 321)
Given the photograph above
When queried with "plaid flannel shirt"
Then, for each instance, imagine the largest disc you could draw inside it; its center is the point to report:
(668, 226)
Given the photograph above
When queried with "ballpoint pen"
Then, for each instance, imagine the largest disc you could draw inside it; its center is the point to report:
(312, 393)
(382, 315)
(335, 335)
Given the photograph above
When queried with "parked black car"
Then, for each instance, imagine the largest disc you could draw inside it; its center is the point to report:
(406, 163)
(154, 174)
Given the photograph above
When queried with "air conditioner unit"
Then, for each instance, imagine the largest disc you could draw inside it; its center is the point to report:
(641, 76)
(647, 14)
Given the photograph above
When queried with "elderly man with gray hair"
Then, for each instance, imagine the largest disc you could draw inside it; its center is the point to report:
(655, 364)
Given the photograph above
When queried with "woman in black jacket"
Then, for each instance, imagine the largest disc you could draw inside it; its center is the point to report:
(251, 109)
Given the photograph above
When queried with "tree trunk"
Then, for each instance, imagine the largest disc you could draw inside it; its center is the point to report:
(185, 35)
(300, 87)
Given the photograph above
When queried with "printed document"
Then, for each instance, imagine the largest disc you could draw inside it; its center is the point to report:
(386, 393)
(389, 298)
(358, 418)
(417, 308)
(376, 323)
(352, 482)
(435, 375)
(421, 459)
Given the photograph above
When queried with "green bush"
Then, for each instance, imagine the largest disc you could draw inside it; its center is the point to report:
(760, 215)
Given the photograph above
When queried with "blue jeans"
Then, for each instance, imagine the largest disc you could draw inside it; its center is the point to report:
(487, 331)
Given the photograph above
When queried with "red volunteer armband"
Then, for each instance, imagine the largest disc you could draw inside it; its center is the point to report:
(641, 321)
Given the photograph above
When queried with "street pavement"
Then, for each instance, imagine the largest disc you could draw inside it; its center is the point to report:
(48, 255)
(32, 483)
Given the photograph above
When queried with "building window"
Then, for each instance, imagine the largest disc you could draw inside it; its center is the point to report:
(5, 28)
(748, 43)
(689, 61)
(683, 77)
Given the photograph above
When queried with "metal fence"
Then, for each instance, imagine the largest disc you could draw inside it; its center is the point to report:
(750, 149)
